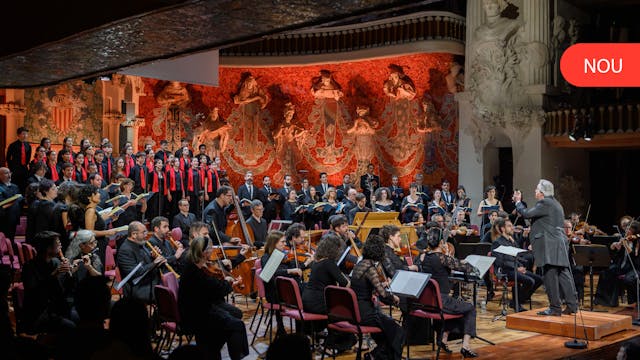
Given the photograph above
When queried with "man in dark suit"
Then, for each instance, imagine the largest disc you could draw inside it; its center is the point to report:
(163, 153)
(550, 248)
(324, 185)
(39, 171)
(18, 157)
(344, 187)
(286, 187)
(397, 193)
(139, 174)
(216, 213)
(159, 239)
(369, 183)
(249, 192)
(132, 252)
(447, 195)
(9, 213)
(269, 197)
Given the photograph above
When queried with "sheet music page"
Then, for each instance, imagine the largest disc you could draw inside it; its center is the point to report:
(344, 254)
(409, 283)
(271, 266)
(509, 250)
(119, 285)
(482, 263)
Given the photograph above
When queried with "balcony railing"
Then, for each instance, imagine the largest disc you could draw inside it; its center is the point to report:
(427, 25)
(615, 125)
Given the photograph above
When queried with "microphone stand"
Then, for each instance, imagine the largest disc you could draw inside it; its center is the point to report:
(573, 344)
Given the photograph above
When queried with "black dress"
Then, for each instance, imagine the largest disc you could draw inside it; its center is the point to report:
(365, 282)
(323, 273)
(203, 310)
(439, 266)
(103, 242)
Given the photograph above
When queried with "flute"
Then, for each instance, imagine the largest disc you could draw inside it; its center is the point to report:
(156, 253)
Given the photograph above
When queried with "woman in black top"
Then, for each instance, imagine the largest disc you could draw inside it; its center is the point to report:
(277, 241)
(289, 206)
(203, 309)
(366, 282)
(324, 272)
(392, 262)
(439, 266)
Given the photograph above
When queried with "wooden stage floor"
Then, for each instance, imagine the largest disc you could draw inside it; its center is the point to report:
(508, 342)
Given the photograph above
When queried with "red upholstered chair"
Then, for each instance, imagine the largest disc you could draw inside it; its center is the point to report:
(28, 251)
(262, 305)
(343, 314)
(429, 306)
(169, 315)
(170, 281)
(110, 263)
(7, 256)
(291, 303)
(176, 234)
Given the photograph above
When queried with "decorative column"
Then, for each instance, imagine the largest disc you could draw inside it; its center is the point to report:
(14, 111)
(111, 128)
(535, 14)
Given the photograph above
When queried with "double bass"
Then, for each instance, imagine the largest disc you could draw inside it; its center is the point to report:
(244, 269)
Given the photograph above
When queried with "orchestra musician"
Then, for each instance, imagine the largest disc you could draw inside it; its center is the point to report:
(528, 282)
(366, 281)
(276, 241)
(576, 270)
(392, 262)
(361, 206)
(202, 305)
(130, 254)
(338, 225)
(160, 226)
(200, 229)
(217, 211)
(626, 248)
(257, 223)
(439, 266)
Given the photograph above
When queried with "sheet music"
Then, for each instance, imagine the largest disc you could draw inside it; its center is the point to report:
(344, 255)
(409, 283)
(128, 277)
(271, 266)
(482, 263)
(509, 250)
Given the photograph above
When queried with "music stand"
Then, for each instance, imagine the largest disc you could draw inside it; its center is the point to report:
(591, 256)
(465, 249)
(409, 283)
(603, 240)
(280, 225)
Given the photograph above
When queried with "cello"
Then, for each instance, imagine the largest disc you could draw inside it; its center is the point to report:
(245, 268)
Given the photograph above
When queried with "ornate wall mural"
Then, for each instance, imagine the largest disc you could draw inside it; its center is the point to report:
(397, 113)
(71, 109)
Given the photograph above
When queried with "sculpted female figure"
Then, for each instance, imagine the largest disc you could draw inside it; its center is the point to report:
(288, 140)
(249, 121)
(329, 113)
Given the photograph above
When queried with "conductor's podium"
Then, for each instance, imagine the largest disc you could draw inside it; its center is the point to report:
(366, 223)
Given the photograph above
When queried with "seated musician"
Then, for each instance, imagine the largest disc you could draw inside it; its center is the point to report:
(340, 227)
(439, 266)
(576, 270)
(276, 241)
(200, 229)
(625, 250)
(393, 262)
(159, 239)
(324, 272)
(295, 235)
(366, 281)
(528, 282)
(183, 219)
(130, 254)
(257, 223)
(202, 305)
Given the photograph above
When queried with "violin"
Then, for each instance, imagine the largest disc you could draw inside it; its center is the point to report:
(295, 255)
(627, 242)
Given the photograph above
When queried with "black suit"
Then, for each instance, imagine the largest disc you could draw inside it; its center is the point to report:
(369, 184)
(244, 192)
(321, 190)
(270, 209)
(528, 282)
(259, 230)
(128, 256)
(10, 215)
(19, 169)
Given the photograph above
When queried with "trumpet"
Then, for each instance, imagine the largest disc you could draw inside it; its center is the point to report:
(156, 253)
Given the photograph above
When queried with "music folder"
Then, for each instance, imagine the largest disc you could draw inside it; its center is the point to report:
(271, 266)
(409, 283)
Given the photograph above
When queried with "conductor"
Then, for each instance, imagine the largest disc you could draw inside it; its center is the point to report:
(549, 247)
